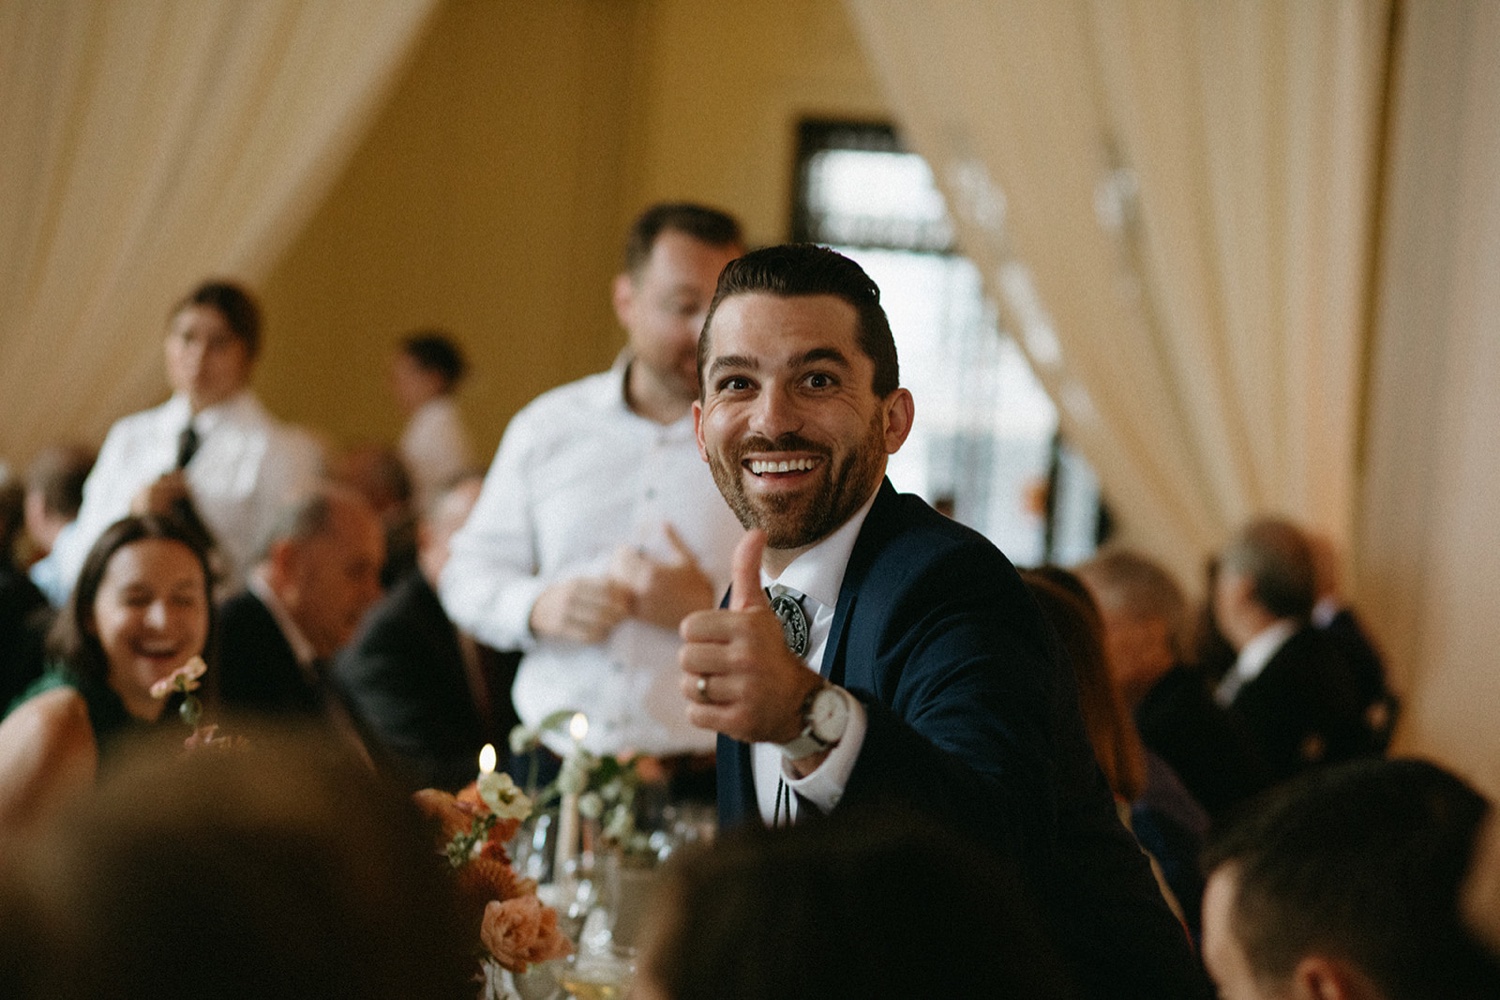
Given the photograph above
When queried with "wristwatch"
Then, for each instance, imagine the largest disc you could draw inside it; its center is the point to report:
(825, 714)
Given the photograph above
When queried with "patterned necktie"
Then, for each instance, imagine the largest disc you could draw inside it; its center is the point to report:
(793, 621)
(187, 446)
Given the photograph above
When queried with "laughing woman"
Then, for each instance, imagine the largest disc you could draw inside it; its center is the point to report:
(141, 609)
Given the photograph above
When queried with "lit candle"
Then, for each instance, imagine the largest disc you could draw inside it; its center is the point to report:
(567, 826)
(487, 759)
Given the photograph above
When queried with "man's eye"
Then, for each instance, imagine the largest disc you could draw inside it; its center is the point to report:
(734, 383)
(820, 380)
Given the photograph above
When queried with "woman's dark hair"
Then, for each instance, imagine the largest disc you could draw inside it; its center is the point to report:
(234, 303)
(73, 639)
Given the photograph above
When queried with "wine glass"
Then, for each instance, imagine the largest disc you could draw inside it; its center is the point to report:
(603, 973)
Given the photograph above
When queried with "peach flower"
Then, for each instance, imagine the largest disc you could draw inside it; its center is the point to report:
(520, 931)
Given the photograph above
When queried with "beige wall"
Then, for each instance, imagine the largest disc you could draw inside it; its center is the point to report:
(492, 194)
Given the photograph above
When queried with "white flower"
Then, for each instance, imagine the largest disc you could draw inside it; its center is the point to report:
(184, 678)
(505, 799)
(590, 805)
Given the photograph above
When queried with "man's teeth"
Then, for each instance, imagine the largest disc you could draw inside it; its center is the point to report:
(760, 468)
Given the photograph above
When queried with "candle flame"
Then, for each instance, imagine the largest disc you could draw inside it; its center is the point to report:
(487, 758)
(578, 727)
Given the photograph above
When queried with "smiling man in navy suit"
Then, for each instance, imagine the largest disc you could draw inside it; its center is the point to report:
(873, 650)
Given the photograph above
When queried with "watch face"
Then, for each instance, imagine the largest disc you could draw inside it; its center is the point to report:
(829, 715)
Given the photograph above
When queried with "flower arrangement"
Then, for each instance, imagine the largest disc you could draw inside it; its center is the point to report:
(605, 786)
(515, 928)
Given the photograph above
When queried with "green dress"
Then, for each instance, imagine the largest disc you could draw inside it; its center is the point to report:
(107, 712)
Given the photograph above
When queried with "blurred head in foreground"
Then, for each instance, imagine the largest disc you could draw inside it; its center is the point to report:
(274, 870)
(857, 908)
(1344, 884)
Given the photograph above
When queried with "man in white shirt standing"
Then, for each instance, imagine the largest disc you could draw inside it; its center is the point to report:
(598, 528)
(212, 445)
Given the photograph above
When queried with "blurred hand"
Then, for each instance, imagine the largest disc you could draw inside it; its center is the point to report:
(664, 591)
(755, 687)
(583, 609)
(160, 495)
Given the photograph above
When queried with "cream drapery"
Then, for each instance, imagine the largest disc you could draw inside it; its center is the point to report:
(1172, 201)
(149, 144)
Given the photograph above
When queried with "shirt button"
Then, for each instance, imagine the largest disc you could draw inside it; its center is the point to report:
(650, 493)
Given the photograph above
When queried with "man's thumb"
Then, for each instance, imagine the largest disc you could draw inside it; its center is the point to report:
(745, 592)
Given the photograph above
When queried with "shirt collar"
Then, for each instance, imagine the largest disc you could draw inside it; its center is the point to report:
(819, 572)
(302, 649)
(1259, 650)
(618, 387)
(180, 411)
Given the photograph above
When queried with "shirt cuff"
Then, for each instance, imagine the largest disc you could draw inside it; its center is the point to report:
(824, 786)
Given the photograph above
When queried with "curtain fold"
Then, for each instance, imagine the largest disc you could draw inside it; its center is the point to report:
(150, 145)
(1187, 193)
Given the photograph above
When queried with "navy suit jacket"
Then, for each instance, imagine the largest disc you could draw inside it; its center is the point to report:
(974, 719)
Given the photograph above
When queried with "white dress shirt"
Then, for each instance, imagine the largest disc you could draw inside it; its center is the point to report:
(435, 449)
(247, 467)
(1253, 659)
(578, 475)
(818, 574)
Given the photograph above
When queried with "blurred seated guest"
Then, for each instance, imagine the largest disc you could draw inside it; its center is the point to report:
(1167, 822)
(421, 688)
(378, 474)
(54, 492)
(318, 574)
(1332, 614)
(1290, 686)
(876, 906)
(141, 610)
(435, 447)
(211, 452)
(24, 611)
(1144, 615)
(1344, 885)
(1481, 892)
(269, 870)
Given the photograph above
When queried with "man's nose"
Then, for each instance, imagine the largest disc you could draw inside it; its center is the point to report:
(774, 413)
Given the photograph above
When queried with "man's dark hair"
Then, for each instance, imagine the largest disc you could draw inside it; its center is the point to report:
(1275, 555)
(233, 302)
(1361, 861)
(58, 473)
(808, 269)
(704, 224)
(435, 351)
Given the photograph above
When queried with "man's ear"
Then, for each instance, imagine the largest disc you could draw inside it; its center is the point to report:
(698, 429)
(282, 559)
(900, 410)
(623, 296)
(1322, 977)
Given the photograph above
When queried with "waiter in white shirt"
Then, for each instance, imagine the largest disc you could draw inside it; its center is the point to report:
(211, 452)
(598, 528)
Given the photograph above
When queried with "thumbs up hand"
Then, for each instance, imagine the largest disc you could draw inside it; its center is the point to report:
(738, 676)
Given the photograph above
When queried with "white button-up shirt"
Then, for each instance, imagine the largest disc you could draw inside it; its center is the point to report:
(818, 574)
(435, 449)
(578, 475)
(248, 466)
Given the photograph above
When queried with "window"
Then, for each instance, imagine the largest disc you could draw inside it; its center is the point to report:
(985, 447)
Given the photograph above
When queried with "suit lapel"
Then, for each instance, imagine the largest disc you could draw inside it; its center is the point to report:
(871, 536)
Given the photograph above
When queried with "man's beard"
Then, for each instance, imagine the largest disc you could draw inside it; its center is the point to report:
(794, 521)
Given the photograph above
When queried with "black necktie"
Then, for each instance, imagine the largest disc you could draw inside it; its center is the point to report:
(187, 446)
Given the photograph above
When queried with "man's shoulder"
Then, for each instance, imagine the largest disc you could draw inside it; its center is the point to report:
(902, 526)
(243, 615)
(590, 393)
(145, 421)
